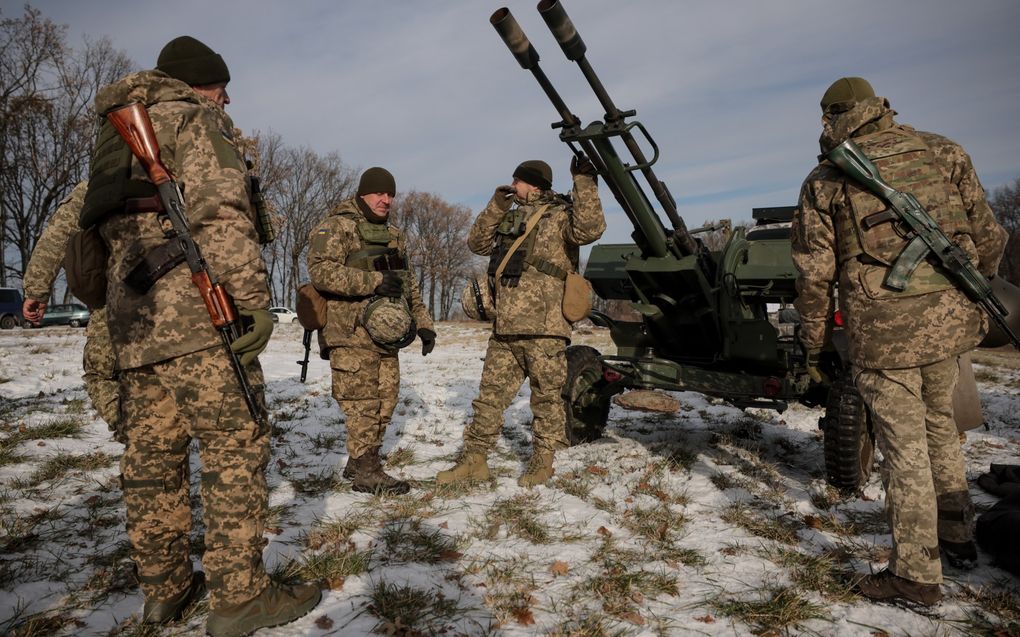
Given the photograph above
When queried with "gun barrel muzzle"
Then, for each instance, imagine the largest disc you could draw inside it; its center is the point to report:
(562, 29)
(505, 24)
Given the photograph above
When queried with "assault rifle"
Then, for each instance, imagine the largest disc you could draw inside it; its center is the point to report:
(928, 238)
(306, 340)
(135, 127)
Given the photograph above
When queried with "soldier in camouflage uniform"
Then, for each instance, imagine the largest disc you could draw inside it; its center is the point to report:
(354, 258)
(903, 345)
(47, 259)
(177, 383)
(530, 335)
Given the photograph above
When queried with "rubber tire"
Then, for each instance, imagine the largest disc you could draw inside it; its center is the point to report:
(588, 424)
(75, 323)
(8, 322)
(848, 438)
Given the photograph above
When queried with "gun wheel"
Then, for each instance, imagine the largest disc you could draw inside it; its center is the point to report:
(584, 424)
(849, 439)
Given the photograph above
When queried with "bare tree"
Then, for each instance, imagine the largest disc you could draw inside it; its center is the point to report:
(436, 233)
(1005, 203)
(305, 189)
(48, 125)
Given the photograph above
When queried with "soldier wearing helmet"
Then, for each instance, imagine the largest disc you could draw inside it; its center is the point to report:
(358, 262)
(903, 344)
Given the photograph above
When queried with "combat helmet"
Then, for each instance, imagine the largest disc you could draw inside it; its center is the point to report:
(388, 322)
(477, 301)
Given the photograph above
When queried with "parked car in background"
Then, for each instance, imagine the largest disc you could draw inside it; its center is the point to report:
(283, 315)
(73, 314)
(10, 308)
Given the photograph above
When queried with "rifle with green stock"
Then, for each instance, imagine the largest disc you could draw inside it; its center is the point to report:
(926, 238)
(134, 126)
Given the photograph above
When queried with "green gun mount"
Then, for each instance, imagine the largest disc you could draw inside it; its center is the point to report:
(704, 323)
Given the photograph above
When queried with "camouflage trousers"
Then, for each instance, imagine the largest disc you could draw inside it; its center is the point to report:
(365, 384)
(923, 468)
(99, 364)
(164, 406)
(508, 362)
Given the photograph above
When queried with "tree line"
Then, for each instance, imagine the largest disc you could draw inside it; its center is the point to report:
(48, 130)
(47, 133)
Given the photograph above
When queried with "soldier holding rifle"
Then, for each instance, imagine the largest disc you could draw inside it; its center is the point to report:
(169, 327)
(907, 319)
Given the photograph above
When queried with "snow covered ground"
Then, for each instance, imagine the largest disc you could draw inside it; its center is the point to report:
(711, 521)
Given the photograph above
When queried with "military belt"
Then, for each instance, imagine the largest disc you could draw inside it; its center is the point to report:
(546, 267)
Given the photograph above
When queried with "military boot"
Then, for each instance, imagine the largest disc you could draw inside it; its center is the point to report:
(366, 475)
(962, 555)
(162, 611)
(886, 586)
(472, 467)
(539, 470)
(277, 605)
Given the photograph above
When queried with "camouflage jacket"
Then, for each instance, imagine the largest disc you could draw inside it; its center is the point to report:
(929, 321)
(48, 254)
(196, 145)
(349, 289)
(535, 306)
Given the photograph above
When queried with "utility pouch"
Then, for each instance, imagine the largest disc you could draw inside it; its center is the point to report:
(311, 307)
(577, 297)
(154, 266)
(85, 266)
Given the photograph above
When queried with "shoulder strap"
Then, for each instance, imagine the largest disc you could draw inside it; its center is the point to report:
(528, 227)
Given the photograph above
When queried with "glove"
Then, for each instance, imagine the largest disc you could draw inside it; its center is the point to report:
(582, 166)
(504, 196)
(814, 354)
(392, 285)
(250, 344)
(428, 341)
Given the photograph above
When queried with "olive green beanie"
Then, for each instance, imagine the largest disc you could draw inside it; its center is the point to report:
(535, 172)
(846, 90)
(377, 179)
(192, 62)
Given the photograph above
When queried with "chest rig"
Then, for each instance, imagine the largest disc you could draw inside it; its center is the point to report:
(511, 227)
(379, 251)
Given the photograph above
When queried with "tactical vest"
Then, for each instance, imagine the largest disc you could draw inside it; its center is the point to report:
(110, 182)
(510, 227)
(905, 161)
(379, 251)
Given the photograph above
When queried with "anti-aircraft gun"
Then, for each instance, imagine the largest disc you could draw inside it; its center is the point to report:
(704, 321)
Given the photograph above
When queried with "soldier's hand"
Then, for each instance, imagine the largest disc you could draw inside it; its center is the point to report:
(33, 310)
(250, 344)
(504, 196)
(428, 341)
(814, 371)
(582, 166)
(392, 285)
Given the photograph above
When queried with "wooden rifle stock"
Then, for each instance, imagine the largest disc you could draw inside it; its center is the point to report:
(135, 127)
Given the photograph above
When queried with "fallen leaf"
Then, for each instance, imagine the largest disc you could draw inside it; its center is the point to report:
(335, 583)
(705, 619)
(324, 623)
(813, 521)
(729, 550)
(559, 568)
(280, 464)
(449, 555)
(633, 617)
(599, 471)
(274, 530)
(603, 531)
(524, 616)
(444, 525)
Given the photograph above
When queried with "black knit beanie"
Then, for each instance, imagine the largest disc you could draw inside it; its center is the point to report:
(535, 172)
(377, 179)
(192, 62)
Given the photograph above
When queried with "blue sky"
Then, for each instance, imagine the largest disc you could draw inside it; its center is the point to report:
(728, 89)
